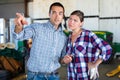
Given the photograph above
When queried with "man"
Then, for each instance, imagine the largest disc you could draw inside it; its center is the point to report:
(48, 41)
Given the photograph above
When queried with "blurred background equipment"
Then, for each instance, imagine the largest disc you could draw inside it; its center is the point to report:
(2, 31)
(113, 72)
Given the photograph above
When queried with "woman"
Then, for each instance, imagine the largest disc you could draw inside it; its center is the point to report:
(85, 51)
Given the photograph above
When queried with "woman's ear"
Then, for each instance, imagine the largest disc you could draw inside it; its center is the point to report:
(82, 23)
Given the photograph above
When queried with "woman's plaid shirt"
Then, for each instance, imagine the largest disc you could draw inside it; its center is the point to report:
(84, 50)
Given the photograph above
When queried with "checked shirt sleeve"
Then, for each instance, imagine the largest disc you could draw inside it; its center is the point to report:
(103, 46)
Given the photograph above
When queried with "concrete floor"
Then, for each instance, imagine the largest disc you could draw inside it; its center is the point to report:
(103, 69)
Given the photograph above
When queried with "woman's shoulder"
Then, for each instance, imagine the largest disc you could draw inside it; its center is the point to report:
(87, 31)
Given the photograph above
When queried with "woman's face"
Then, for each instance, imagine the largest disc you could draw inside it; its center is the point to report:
(74, 22)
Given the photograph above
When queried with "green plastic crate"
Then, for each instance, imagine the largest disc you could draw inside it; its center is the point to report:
(66, 32)
(116, 47)
(20, 44)
(105, 35)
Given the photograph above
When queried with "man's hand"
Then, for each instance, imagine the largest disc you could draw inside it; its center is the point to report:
(19, 21)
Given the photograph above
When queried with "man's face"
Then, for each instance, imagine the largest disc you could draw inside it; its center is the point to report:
(56, 15)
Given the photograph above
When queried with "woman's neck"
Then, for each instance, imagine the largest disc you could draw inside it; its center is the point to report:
(76, 31)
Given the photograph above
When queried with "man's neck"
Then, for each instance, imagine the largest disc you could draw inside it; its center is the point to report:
(56, 27)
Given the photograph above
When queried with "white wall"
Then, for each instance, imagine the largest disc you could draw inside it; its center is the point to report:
(39, 9)
(89, 7)
(112, 25)
(109, 8)
(105, 11)
(110, 17)
(108, 12)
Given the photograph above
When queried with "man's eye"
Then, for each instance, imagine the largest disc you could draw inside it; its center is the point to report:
(53, 12)
(75, 20)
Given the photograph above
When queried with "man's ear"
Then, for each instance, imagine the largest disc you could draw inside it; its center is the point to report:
(49, 14)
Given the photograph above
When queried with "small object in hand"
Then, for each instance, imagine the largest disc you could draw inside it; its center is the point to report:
(93, 73)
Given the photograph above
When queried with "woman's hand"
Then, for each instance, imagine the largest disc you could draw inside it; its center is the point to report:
(93, 69)
(94, 64)
(91, 65)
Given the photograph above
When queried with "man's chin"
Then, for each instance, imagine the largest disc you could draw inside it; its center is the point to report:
(57, 23)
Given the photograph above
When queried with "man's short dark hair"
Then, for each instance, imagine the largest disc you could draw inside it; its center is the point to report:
(56, 4)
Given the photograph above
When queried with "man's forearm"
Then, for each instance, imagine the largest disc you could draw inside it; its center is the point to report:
(18, 29)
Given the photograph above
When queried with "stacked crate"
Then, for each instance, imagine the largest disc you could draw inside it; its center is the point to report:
(105, 35)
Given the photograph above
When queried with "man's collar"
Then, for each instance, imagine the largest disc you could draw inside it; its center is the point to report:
(52, 26)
